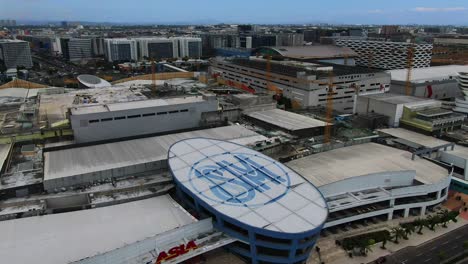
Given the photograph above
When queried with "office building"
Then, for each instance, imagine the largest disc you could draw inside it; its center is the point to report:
(45, 44)
(75, 49)
(14, 53)
(385, 54)
(189, 47)
(121, 50)
(157, 48)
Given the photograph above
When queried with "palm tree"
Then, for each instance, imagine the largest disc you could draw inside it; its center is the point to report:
(409, 228)
(420, 224)
(385, 238)
(432, 221)
(453, 216)
(397, 233)
(444, 217)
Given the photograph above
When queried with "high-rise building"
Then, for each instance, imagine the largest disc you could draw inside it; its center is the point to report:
(157, 48)
(120, 49)
(461, 105)
(290, 39)
(385, 54)
(75, 49)
(15, 53)
(190, 47)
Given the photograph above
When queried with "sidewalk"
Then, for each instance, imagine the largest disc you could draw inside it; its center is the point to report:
(334, 254)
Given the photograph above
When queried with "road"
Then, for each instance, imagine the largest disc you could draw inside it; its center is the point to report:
(428, 253)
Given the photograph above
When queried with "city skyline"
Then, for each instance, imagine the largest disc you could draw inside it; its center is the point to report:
(258, 12)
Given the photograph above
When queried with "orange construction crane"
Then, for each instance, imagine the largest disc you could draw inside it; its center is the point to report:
(409, 67)
(153, 76)
(329, 109)
(268, 77)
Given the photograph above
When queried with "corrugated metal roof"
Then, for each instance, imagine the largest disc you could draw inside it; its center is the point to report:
(315, 52)
(435, 73)
(343, 163)
(76, 161)
(287, 120)
(67, 237)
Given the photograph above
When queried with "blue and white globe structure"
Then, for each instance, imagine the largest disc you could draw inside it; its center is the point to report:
(275, 213)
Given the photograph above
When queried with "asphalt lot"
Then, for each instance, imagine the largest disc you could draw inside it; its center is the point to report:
(428, 253)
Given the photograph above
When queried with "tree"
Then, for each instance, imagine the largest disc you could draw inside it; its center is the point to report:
(385, 238)
(397, 233)
(408, 228)
(465, 245)
(420, 224)
(444, 217)
(432, 221)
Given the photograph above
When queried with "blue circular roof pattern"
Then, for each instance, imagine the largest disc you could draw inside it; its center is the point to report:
(246, 185)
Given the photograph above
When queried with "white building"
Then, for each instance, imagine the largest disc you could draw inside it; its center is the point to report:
(438, 82)
(120, 49)
(461, 105)
(127, 119)
(380, 182)
(385, 54)
(189, 47)
(157, 48)
(304, 83)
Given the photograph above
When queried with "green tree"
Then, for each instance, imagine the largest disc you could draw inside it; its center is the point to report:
(397, 233)
(433, 221)
(465, 245)
(420, 224)
(408, 228)
(385, 238)
(444, 217)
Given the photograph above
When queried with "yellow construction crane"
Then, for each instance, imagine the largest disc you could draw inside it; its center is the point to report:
(268, 77)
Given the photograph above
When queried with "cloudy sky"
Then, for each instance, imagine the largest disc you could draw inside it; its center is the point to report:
(240, 11)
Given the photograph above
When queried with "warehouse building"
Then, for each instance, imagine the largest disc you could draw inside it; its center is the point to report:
(292, 123)
(125, 158)
(14, 53)
(305, 84)
(127, 119)
(415, 113)
(381, 182)
(127, 233)
(438, 82)
(274, 213)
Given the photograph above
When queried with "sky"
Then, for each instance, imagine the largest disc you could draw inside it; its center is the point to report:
(441, 12)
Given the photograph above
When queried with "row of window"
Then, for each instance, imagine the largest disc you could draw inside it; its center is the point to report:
(136, 116)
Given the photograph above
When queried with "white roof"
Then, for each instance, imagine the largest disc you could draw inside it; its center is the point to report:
(75, 161)
(414, 137)
(246, 185)
(435, 73)
(135, 105)
(67, 237)
(4, 151)
(287, 120)
(343, 163)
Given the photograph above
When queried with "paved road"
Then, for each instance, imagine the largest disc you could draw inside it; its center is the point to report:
(428, 253)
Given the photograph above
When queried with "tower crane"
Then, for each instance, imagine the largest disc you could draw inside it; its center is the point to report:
(409, 67)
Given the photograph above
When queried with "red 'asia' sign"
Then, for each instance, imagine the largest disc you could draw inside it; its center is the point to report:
(175, 252)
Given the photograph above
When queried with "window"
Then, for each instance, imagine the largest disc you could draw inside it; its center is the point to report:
(119, 117)
(94, 121)
(149, 114)
(106, 119)
(174, 111)
(134, 116)
(162, 113)
(183, 110)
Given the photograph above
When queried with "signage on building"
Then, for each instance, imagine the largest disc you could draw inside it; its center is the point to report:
(175, 252)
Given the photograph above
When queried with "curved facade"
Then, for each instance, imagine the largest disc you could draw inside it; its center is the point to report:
(91, 81)
(461, 105)
(275, 214)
